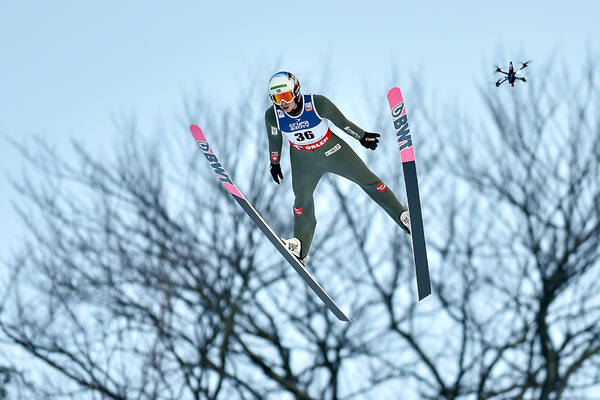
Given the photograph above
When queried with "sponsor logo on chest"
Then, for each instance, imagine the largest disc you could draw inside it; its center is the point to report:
(294, 126)
(316, 145)
(308, 106)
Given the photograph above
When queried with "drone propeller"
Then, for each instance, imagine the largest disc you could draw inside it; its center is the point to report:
(523, 66)
(526, 62)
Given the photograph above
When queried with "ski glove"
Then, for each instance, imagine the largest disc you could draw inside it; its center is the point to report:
(276, 172)
(370, 140)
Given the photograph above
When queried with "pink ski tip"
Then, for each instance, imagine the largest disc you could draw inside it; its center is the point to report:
(197, 132)
(395, 97)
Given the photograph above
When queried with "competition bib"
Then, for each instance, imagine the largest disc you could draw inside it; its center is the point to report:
(307, 131)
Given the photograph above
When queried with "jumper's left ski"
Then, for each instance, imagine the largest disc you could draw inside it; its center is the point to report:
(411, 183)
(260, 222)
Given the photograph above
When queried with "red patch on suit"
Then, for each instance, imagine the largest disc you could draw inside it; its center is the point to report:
(298, 210)
(381, 187)
(274, 156)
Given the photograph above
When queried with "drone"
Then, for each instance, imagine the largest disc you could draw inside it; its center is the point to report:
(511, 75)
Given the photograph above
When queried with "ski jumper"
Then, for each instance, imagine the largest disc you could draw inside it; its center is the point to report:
(315, 150)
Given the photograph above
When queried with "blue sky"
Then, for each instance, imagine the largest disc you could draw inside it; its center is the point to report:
(67, 68)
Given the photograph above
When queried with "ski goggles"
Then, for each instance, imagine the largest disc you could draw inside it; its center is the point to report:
(279, 97)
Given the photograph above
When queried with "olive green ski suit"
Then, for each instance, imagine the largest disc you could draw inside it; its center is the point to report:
(311, 156)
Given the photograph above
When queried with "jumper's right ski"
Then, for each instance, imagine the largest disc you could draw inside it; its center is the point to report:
(411, 184)
(264, 227)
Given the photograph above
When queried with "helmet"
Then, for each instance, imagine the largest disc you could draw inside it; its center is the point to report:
(284, 86)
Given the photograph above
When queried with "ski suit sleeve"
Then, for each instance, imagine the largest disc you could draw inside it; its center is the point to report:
(326, 109)
(274, 135)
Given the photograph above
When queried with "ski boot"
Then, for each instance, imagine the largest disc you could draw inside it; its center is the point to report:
(405, 221)
(294, 245)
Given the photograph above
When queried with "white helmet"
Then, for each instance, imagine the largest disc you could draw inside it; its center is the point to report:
(284, 86)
